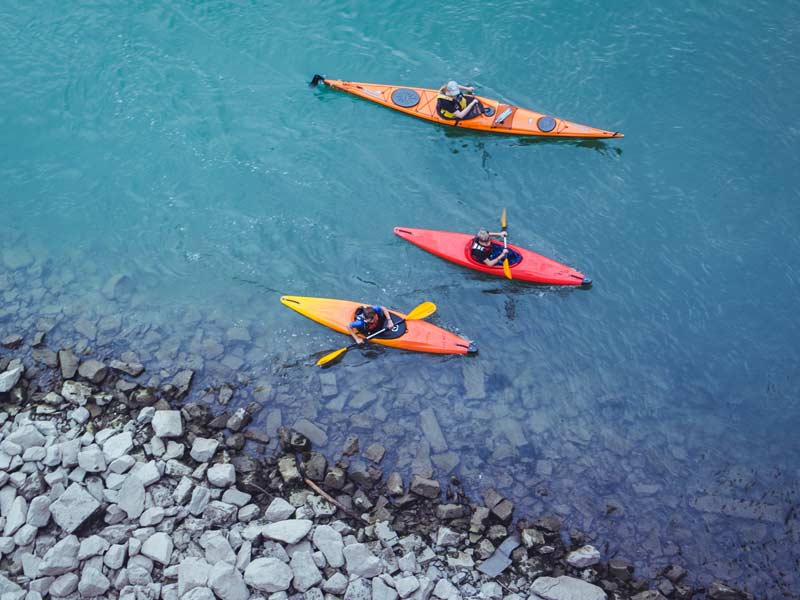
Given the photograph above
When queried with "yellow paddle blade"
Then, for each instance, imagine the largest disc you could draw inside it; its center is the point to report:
(426, 309)
(503, 222)
(332, 356)
(507, 268)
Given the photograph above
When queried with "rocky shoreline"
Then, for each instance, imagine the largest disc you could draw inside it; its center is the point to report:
(113, 489)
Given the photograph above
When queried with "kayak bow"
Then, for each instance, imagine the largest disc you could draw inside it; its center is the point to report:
(497, 116)
(455, 247)
(417, 336)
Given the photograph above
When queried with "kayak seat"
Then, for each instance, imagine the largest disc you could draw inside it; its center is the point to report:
(392, 334)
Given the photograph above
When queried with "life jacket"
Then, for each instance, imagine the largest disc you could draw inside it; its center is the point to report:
(372, 325)
(459, 101)
(483, 250)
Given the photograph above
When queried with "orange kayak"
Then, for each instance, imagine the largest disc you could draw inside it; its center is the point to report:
(418, 336)
(497, 117)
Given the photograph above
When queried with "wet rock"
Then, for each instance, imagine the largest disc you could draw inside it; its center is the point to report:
(93, 370)
(313, 432)
(235, 441)
(314, 467)
(68, 362)
(375, 453)
(45, 356)
(394, 484)
(9, 378)
(428, 488)
(73, 508)
(585, 556)
(118, 286)
(740, 508)
(181, 382)
(620, 569)
(287, 467)
(447, 512)
(362, 399)
(335, 479)
(503, 511)
(674, 573)
(12, 342)
(565, 588)
(327, 380)
(350, 445)
(133, 369)
(720, 591)
(649, 595)
(474, 381)
(239, 419)
(433, 433)
(268, 575)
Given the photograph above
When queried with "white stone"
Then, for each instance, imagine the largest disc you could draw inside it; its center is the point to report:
(26, 436)
(306, 573)
(131, 496)
(64, 585)
(158, 547)
(446, 590)
(336, 584)
(585, 556)
(234, 496)
(268, 575)
(192, 573)
(329, 542)
(446, 537)
(115, 556)
(8, 379)
(93, 583)
(406, 585)
(203, 449)
(217, 548)
(25, 535)
(288, 532)
(73, 507)
(279, 510)
(94, 545)
(200, 593)
(61, 558)
(222, 475)
(167, 423)
(152, 516)
(148, 473)
(122, 464)
(565, 588)
(227, 582)
(91, 459)
(361, 562)
(117, 446)
(358, 589)
(38, 511)
(16, 516)
(200, 498)
(381, 591)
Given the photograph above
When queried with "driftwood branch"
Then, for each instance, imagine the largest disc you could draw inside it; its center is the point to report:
(333, 501)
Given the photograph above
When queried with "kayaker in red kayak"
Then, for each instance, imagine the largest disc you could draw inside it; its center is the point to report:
(451, 103)
(483, 251)
(368, 320)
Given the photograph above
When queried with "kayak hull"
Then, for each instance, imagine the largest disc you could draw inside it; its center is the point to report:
(503, 118)
(455, 247)
(419, 336)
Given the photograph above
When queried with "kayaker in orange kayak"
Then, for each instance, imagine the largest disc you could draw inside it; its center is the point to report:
(368, 320)
(451, 103)
(483, 251)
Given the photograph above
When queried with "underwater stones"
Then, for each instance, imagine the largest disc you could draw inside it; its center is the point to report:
(313, 432)
(433, 433)
(68, 362)
(182, 381)
(362, 398)
(12, 342)
(740, 508)
(118, 286)
(474, 381)
(133, 369)
(428, 488)
(93, 370)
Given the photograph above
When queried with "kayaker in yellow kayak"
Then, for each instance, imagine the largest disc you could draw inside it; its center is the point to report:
(483, 251)
(368, 320)
(451, 103)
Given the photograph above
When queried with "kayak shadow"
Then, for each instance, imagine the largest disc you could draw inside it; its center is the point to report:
(598, 145)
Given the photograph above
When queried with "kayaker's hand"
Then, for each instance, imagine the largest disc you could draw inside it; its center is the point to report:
(389, 324)
(504, 252)
(360, 342)
(504, 234)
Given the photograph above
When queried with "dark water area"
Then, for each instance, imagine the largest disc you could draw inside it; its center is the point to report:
(180, 147)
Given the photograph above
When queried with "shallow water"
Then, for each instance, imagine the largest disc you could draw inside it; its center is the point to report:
(179, 145)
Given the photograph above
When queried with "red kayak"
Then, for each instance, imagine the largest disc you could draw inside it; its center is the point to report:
(530, 266)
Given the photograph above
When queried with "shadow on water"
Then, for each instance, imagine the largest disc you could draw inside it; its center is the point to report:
(479, 137)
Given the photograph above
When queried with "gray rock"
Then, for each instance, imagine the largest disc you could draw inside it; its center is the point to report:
(158, 547)
(9, 379)
(336, 584)
(268, 575)
(585, 556)
(91, 459)
(115, 556)
(93, 583)
(73, 507)
(381, 591)
(117, 446)
(406, 585)
(287, 466)
(203, 449)
(200, 498)
(61, 558)
(16, 515)
(181, 382)
(94, 545)
(358, 589)
(565, 588)
(720, 591)
(152, 516)
(279, 510)
(76, 392)
(93, 370)
(167, 423)
(428, 488)
(248, 513)
(306, 573)
(234, 496)
(222, 475)
(445, 590)
(227, 582)
(329, 542)
(192, 573)
(131, 496)
(64, 585)
(68, 362)
(289, 532)
(26, 436)
(217, 548)
(8, 586)
(360, 561)
(133, 369)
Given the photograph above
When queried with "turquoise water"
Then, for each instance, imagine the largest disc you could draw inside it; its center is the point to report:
(179, 145)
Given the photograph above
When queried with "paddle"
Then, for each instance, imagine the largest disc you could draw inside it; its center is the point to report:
(504, 225)
(316, 80)
(426, 309)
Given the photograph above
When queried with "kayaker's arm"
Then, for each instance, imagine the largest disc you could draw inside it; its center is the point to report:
(357, 339)
(492, 262)
(388, 323)
(460, 114)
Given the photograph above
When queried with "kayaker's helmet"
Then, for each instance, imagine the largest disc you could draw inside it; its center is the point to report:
(483, 236)
(366, 313)
(452, 89)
